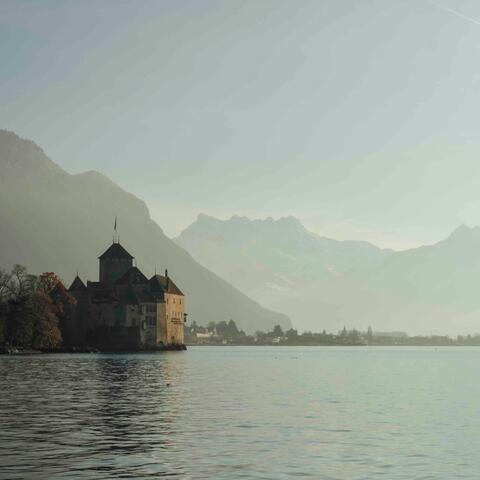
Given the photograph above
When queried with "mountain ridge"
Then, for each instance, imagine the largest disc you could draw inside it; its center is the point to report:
(325, 283)
(55, 221)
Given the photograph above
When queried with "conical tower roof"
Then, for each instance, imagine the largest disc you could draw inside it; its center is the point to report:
(77, 285)
(115, 250)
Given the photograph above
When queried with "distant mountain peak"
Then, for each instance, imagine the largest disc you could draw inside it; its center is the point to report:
(463, 232)
(244, 226)
(19, 156)
(242, 219)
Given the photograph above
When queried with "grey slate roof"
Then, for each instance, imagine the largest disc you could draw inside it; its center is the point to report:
(160, 283)
(77, 285)
(115, 250)
(132, 276)
(134, 295)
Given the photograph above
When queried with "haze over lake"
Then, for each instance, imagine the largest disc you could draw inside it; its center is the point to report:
(240, 412)
(288, 188)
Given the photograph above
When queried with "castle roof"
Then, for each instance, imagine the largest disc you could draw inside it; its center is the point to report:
(134, 295)
(160, 283)
(99, 292)
(115, 250)
(132, 276)
(77, 285)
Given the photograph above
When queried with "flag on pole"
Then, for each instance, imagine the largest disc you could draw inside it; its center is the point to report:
(115, 226)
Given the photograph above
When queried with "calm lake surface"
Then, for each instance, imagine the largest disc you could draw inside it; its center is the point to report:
(243, 412)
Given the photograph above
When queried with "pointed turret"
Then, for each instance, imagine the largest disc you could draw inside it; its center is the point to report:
(77, 285)
(163, 284)
(114, 263)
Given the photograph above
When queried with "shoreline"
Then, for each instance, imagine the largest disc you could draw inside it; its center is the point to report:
(31, 352)
(14, 351)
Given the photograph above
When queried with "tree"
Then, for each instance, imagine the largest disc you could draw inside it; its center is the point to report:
(232, 329)
(18, 288)
(354, 337)
(369, 334)
(31, 308)
(5, 283)
(260, 337)
(277, 331)
(211, 327)
(22, 284)
(51, 285)
(292, 334)
(46, 331)
(51, 299)
(222, 328)
(20, 321)
(5, 279)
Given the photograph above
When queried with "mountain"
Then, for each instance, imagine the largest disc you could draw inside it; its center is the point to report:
(446, 274)
(275, 261)
(53, 221)
(324, 283)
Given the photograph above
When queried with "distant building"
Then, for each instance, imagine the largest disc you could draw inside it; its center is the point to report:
(124, 309)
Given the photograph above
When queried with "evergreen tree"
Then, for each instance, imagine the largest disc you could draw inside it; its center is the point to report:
(277, 331)
(232, 329)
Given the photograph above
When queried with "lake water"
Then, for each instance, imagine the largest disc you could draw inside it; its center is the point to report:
(243, 412)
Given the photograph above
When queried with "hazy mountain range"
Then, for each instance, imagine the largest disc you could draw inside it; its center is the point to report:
(323, 283)
(53, 221)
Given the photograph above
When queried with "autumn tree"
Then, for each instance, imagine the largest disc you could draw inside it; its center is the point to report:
(46, 330)
(31, 308)
(51, 299)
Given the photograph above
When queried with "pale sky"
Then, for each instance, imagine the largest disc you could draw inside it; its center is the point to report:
(360, 117)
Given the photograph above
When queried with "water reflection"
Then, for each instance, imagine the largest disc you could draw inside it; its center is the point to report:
(236, 413)
(92, 416)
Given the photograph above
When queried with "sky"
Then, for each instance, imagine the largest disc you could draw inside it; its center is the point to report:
(359, 117)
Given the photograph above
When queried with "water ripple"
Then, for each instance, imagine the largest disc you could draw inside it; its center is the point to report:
(233, 413)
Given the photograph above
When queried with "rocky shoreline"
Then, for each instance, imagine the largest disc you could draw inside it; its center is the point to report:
(10, 350)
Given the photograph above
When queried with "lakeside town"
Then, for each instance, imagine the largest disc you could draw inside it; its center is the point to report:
(227, 333)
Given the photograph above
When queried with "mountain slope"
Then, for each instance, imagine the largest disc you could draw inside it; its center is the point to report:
(322, 283)
(269, 259)
(53, 221)
(446, 274)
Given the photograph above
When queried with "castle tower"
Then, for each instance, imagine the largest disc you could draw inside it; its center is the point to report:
(114, 263)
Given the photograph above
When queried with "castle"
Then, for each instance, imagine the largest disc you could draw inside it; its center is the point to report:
(124, 309)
